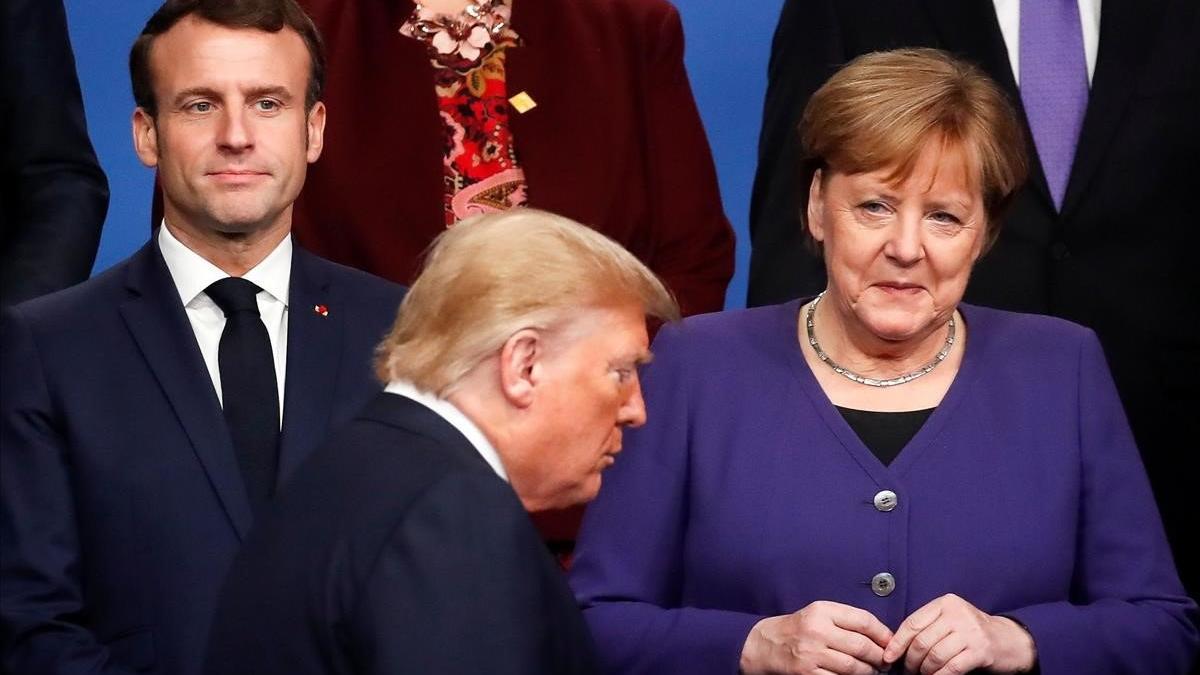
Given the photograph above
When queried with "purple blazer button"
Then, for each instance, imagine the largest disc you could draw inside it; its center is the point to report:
(883, 584)
(885, 500)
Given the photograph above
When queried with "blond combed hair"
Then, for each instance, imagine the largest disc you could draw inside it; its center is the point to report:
(882, 109)
(490, 276)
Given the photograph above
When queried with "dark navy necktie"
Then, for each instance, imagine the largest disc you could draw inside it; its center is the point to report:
(250, 395)
(1054, 85)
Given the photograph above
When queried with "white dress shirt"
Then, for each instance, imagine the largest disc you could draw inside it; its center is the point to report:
(1008, 13)
(447, 411)
(192, 274)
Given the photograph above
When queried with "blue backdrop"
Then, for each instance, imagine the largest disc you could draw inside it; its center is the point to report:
(727, 49)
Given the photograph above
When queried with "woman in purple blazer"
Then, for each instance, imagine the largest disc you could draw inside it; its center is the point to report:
(882, 477)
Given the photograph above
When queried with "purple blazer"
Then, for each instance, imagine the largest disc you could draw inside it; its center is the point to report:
(747, 495)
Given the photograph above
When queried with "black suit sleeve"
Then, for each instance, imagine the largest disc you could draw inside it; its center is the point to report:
(463, 585)
(807, 49)
(53, 195)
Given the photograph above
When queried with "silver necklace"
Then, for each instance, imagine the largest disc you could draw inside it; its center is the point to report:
(871, 381)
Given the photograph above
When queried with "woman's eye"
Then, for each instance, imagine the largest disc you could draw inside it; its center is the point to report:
(877, 208)
(945, 218)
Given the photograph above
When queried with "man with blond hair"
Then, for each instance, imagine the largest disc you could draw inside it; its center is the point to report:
(404, 545)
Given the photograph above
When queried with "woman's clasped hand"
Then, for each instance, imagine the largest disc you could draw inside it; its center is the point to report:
(947, 636)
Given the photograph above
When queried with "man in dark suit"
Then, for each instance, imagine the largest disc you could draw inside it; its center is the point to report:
(403, 545)
(1110, 243)
(147, 414)
(53, 195)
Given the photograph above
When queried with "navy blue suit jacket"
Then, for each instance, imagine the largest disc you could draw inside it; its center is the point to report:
(121, 501)
(397, 549)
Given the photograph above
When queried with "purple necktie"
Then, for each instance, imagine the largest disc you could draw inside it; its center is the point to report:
(1054, 85)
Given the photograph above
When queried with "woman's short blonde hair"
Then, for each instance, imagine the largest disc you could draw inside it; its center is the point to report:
(882, 109)
(493, 275)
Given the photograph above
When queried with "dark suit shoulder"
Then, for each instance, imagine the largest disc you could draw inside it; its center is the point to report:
(69, 305)
(469, 519)
(464, 565)
(395, 466)
(350, 275)
(363, 284)
(367, 476)
(65, 324)
(367, 454)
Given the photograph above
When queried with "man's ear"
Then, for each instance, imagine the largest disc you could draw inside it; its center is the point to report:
(520, 360)
(315, 130)
(145, 137)
(816, 227)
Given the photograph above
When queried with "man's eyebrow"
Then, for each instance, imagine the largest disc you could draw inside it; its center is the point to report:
(193, 92)
(282, 93)
(631, 360)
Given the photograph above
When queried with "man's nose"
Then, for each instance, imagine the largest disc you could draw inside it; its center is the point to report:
(633, 413)
(235, 133)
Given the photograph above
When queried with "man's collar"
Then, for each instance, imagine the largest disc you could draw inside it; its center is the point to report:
(193, 273)
(449, 412)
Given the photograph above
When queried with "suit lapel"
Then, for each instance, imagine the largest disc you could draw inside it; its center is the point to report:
(159, 325)
(316, 322)
(1127, 28)
(969, 28)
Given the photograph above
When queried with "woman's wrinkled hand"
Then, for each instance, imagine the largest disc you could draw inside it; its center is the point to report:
(823, 638)
(950, 636)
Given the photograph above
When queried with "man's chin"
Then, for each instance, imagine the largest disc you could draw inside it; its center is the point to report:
(240, 224)
(580, 493)
(588, 490)
(239, 214)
